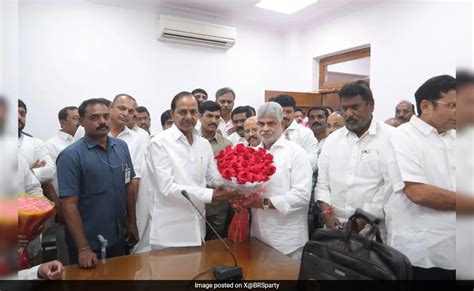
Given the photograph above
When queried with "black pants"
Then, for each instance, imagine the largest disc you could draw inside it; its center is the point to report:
(433, 274)
(113, 251)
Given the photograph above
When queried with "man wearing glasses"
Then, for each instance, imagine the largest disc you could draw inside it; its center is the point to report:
(422, 211)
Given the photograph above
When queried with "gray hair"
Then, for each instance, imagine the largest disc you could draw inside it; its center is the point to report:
(271, 108)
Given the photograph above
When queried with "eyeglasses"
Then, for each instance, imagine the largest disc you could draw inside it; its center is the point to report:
(451, 105)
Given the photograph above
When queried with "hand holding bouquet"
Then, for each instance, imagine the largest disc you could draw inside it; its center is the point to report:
(244, 169)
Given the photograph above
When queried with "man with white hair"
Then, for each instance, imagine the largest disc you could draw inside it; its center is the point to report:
(279, 216)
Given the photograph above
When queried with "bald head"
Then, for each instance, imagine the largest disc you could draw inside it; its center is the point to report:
(335, 121)
(404, 111)
(123, 109)
(251, 131)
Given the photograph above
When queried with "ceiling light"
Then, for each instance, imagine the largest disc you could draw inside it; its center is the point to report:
(285, 6)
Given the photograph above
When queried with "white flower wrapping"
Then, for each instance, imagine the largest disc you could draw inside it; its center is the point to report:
(247, 189)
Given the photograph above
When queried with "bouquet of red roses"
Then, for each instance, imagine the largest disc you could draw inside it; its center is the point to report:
(33, 212)
(245, 169)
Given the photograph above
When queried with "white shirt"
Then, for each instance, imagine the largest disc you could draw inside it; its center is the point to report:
(32, 150)
(174, 165)
(136, 146)
(304, 137)
(27, 182)
(55, 145)
(79, 134)
(356, 172)
(143, 135)
(465, 186)
(286, 227)
(28, 274)
(225, 126)
(235, 139)
(320, 145)
(426, 236)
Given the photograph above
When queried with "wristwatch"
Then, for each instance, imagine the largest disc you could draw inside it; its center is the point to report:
(266, 203)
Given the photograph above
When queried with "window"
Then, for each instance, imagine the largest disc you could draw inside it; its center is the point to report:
(336, 70)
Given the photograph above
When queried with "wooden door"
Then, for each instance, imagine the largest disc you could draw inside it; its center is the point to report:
(304, 100)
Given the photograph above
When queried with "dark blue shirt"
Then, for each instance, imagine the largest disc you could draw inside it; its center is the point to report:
(97, 176)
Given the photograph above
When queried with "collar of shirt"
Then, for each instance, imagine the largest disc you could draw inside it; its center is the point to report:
(281, 142)
(125, 131)
(226, 123)
(422, 126)
(214, 138)
(178, 134)
(92, 143)
(293, 126)
(65, 136)
(372, 129)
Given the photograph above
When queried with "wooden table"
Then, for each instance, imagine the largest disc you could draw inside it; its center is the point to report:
(258, 261)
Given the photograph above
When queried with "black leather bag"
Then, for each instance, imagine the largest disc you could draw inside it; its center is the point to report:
(344, 255)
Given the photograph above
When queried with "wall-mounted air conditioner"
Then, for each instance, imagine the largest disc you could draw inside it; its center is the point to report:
(195, 32)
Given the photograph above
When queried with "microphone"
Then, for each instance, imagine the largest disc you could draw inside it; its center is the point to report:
(221, 273)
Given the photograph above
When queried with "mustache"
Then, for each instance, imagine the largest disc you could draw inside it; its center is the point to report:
(238, 128)
(350, 120)
(253, 137)
(215, 124)
(316, 123)
(102, 126)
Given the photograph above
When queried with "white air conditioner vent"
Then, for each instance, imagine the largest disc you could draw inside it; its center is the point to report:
(195, 32)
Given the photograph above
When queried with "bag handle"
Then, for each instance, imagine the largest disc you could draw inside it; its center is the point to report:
(369, 217)
(373, 222)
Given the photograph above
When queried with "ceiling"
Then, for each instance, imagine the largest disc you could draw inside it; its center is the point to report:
(245, 10)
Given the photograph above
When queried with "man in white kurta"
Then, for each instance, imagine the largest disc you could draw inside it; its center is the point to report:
(421, 214)
(180, 159)
(295, 132)
(356, 162)
(68, 119)
(34, 151)
(238, 116)
(279, 217)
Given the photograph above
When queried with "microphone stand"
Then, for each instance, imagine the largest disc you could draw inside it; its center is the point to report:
(221, 273)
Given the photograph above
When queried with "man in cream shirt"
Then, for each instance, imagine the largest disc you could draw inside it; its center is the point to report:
(279, 217)
(180, 159)
(421, 214)
(356, 162)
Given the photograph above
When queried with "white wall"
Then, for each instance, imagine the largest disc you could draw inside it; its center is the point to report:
(410, 42)
(70, 52)
(9, 60)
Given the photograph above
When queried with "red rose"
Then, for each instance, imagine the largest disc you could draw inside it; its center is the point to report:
(242, 178)
(254, 169)
(270, 170)
(220, 155)
(228, 173)
(239, 149)
(251, 177)
(268, 157)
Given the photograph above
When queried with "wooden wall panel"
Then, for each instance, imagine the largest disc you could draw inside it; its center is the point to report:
(304, 100)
